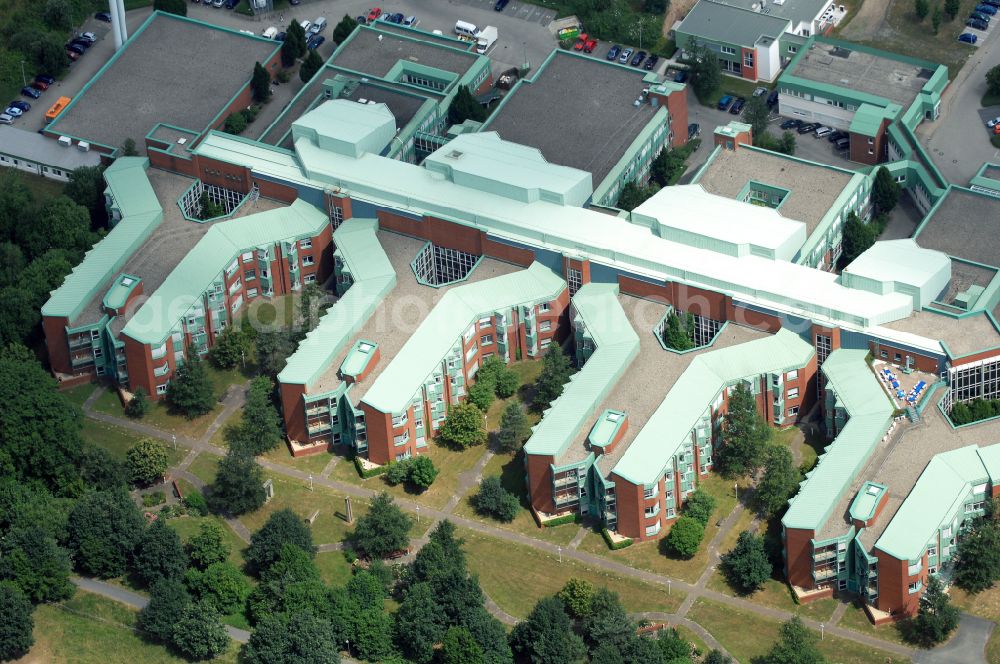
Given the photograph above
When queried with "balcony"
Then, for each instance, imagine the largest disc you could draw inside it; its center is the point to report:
(79, 342)
(567, 480)
(319, 408)
(824, 574)
(567, 498)
(319, 427)
(821, 556)
(161, 371)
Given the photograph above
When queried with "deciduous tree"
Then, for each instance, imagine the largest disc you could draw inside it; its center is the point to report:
(576, 596)
(977, 564)
(885, 191)
(239, 485)
(160, 554)
(282, 527)
(920, 8)
(199, 632)
(167, 600)
(422, 472)
(222, 585)
(458, 647)
(858, 238)
(465, 107)
(86, 187)
(299, 638)
(31, 558)
(464, 426)
(231, 348)
(779, 482)
(951, 8)
(384, 529)
(547, 636)
(16, 622)
(208, 546)
(190, 391)
(420, 623)
(993, 80)
(757, 114)
(936, 618)
(494, 500)
(796, 645)
(699, 506)
(103, 531)
(706, 75)
(138, 405)
(685, 537)
(746, 566)
(147, 461)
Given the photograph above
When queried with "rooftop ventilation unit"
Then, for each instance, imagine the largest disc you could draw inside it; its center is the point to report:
(362, 101)
(65, 141)
(182, 141)
(83, 146)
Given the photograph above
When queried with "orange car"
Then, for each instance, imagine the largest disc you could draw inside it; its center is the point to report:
(580, 43)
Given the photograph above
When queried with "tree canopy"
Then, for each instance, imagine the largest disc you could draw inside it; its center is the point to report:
(239, 484)
(706, 75)
(384, 530)
(199, 632)
(147, 462)
(685, 537)
(494, 500)
(260, 83)
(190, 390)
(160, 554)
(514, 428)
(207, 547)
(547, 636)
(464, 427)
(746, 566)
(699, 505)
(103, 531)
(779, 482)
(556, 370)
(796, 645)
(282, 527)
(465, 107)
(16, 622)
(745, 434)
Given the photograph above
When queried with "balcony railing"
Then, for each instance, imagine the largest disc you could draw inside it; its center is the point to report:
(566, 498)
(825, 573)
(82, 342)
(565, 481)
(318, 427)
(825, 555)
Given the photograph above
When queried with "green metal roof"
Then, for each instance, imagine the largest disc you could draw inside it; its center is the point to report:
(945, 483)
(141, 214)
(868, 119)
(223, 242)
(717, 22)
(870, 413)
(347, 127)
(672, 421)
(606, 428)
(457, 308)
(866, 502)
(117, 295)
(358, 358)
(374, 277)
(617, 344)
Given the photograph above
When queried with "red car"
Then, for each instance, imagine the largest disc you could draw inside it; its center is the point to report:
(42, 85)
(590, 46)
(374, 14)
(580, 43)
(72, 55)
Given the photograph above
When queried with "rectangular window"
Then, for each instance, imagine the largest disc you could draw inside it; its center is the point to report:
(543, 307)
(309, 278)
(545, 326)
(232, 267)
(897, 357)
(247, 257)
(748, 59)
(793, 411)
(931, 551)
(793, 49)
(574, 278)
(649, 492)
(485, 321)
(307, 260)
(914, 587)
(792, 393)
(792, 375)
(544, 343)
(486, 340)
(249, 275)
(305, 244)
(728, 50)
(652, 511)
(252, 292)
(842, 584)
(161, 389)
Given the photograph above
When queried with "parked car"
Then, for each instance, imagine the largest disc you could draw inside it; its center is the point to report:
(500, 5)
(88, 36)
(280, 36)
(823, 131)
(218, 3)
(993, 123)
(374, 13)
(396, 18)
(40, 85)
(694, 131)
(738, 105)
(651, 62)
(772, 99)
(758, 92)
(44, 78)
(82, 43)
(14, 112)
(76, 48)
(996, 130)
(808, 128)
(837, 135)
(843, 143)
(614, 51)
(411, 21)
(625, 56)
(977, 24)
(968, 38)
(103, 16)
(361, 20)
(72, 55)
(305, 26)
(581, 41)
(318, 26)
(681, 76)
(991, 3)
(725, 102)
(980, 17)
(20, 105)
(639, 57)
(6, 119)
(590, 46)
(29, 91)
(315, 42)
(231, 4)
(989, 10)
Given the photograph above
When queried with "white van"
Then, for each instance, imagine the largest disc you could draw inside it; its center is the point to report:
(305, 26)
(270, 33)
(466, 29)
(318, 26)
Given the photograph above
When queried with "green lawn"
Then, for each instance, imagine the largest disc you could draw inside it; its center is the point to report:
(747, 636)
(511, 471)
(777, 594)
(79, 393)
(647, 555)
(855, 618)
(162, 418)
(731, 85)
(540, 574)
(314, 463)
(450, 465)
(189, 526)
(333, 567)
(117, 440)
(42, 188)
(89, 629)
(204, 467)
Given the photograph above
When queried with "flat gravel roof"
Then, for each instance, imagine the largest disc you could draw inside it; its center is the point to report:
(175, 70)
(365, 53)
(578, 111)
(964, 226)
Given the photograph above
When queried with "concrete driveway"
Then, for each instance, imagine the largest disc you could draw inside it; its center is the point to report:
(968, 646)
(958, 142)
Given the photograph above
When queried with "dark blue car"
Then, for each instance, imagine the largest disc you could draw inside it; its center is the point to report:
(20, 105)
(968, 38)
(615, 50)
(29, 91)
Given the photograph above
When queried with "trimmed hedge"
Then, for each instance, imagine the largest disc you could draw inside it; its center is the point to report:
(367, 474)
(562, 520)
(614, 546)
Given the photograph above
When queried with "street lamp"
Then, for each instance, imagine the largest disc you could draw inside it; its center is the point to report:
(173, 439)
(24, 78)
(669, 584)
(310, 482)
(821, 631)
(348, 642)
(736, 490)
(560, 554)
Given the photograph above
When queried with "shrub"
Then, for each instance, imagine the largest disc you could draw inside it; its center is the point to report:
(367, 474)
(138, 405)
(235, 124)
(699, 506)
(397, 472)
(613, 545)
(196, 503)
(154, 498)
(147, 461)
(422, 472)
(562, 520)
(494, 500)
(685, 537)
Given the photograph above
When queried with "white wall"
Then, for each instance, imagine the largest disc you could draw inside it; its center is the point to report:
(768, 61)
(811, 111)
(34, 168)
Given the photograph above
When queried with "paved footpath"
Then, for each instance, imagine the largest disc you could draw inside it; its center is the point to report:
(693, 591)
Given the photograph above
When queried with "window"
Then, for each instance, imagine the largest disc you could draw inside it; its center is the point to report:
(884, 354)
(543, 307)
(793, 411)
(575, 280)
(486, 340)
(161, 389)
(793, 49)
(748, 59)
(545, 343)
(792, 375)
(252, 292)
(305, 244)
(485, 321)
(728, 50)
(98, 351)
(652, 510)
(792, 393)
(309, 278)
(897, 357)
(232, 267)
(649, 492)
(969, 507)
(249, 275)
(914, 587)
(653, 529)
(931, 551)
(247, 257)
(307, 260)
(545, 326)
(842, 584)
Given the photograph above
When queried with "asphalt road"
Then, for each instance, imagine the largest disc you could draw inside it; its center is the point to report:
(958, 142)
(968, 646)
